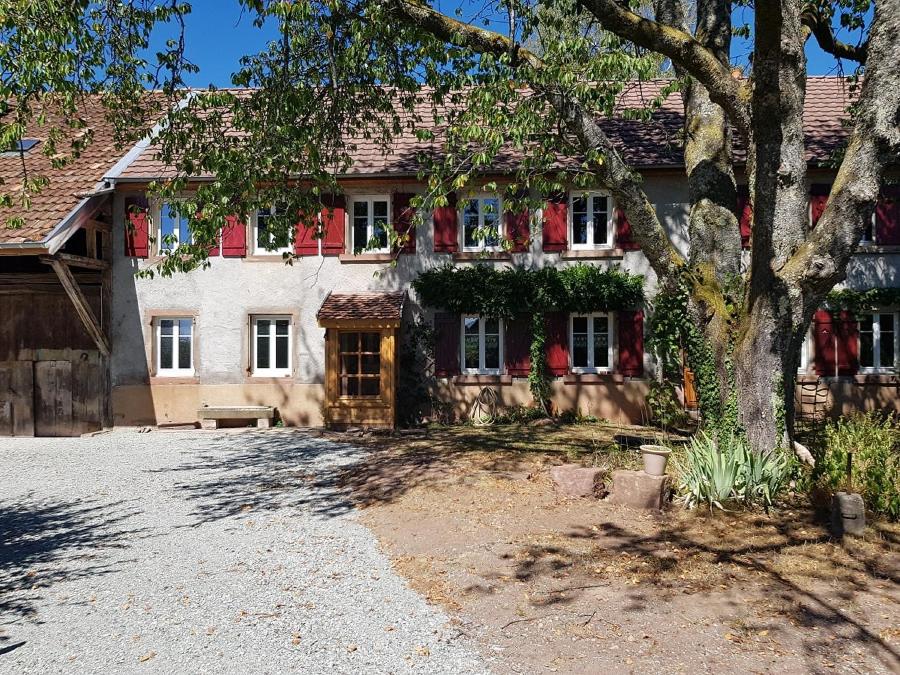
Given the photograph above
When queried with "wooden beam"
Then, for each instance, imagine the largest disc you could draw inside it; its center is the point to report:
(80, 261)
(82, 308)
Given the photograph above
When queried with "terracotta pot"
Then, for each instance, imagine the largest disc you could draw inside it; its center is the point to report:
(655, 459)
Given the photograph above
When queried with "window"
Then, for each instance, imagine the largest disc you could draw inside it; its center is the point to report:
(481, 344)
(591, 221)
(481, 224)
(591, 340)
(266, 240)
(868, 236)
(878, 341)
(271, 346)
(370, 222)
(173, 228)
(359, 355)
(174, 346)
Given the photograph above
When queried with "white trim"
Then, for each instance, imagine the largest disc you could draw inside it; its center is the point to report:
(591, 225)
(174, 371)
(481, 369)
(156, 221)
(254, 232)
(482, 242)
(874, 240)
(877, 366)
(370, 221)
(272, 370)
(610, 357)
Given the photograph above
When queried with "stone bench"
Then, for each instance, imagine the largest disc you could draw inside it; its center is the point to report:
(210, 416)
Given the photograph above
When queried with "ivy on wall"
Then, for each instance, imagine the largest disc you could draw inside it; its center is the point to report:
(863, 301)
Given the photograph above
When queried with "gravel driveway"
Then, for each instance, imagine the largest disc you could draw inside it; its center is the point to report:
(201, 552)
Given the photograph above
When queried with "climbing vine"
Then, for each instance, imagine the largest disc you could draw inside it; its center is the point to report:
(862, 301)
(538, 373)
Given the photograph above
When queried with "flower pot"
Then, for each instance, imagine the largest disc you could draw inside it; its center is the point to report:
(655, 459)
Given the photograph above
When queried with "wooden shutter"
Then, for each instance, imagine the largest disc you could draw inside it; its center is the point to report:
(556, 223)
(847, 330)
(306, 241)
(234, 238)
(137, 227)
(446, 344)
(631, 343)
(517, 347)
(624, 239)
(823, 343)
(404, 221)
(818, 198)
(216, 247)
(518, 229)
(887, 216)
(333, 224)
(744, 214)
(558, 343)
(446, 227)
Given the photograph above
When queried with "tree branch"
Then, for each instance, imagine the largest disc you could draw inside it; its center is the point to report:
(820, 27)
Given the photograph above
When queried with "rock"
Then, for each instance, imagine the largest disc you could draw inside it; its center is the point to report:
(542, 422)
(848, 514)
(639, 490)
(574, 480)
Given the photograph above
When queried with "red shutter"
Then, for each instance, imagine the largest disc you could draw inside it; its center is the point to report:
(404, 221)
(517, 347)
(631, 343)
(446, 344)
(333, 223)
(624, 239)
(818, 198)
(823, 341)
(887, 216)
(234, 238)
(556, 223)
(744, 214)
(214, 249)
(137, 228)
(847, 330)
(518, 229)
(558, 343)
(305, 240)
(446, 227)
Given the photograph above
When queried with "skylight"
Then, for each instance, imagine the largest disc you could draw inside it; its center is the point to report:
(25, 144)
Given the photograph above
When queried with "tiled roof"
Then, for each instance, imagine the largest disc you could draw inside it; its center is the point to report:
(368, 306)
(644, 144)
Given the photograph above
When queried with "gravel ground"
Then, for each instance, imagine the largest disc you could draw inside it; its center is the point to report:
(201, 552)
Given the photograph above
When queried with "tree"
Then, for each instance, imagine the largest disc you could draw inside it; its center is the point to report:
(343, 70)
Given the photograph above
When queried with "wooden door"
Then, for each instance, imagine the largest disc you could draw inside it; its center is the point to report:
(52, 398)
(16, 398)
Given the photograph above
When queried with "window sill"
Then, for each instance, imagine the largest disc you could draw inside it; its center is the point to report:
(268, 379)
(594, 378)
(871, 249)
(465, 380)
(593, 254)
(174, 379)
(366, 257)
(881, 379)
(266, 257)
(463, 256)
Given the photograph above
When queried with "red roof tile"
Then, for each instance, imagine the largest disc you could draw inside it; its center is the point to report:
(368, 306)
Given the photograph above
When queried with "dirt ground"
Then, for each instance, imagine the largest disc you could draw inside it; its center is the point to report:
(470, 518)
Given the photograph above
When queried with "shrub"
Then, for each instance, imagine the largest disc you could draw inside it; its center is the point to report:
(665, 408)
(873, 440)
(519, 414)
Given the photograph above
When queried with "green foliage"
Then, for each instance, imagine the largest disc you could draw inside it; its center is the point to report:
(874, 441)
(538, 373)
(575, 416)
(863, 301)
(729, 472)
(519, 414)
(665, 408)
(414, 394)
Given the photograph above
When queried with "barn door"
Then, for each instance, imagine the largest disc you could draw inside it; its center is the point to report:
(16, 398)
(52, 398)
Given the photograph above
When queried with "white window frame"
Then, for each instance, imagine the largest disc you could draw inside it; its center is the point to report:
(175, 371)
(254, 231)
(806, 348)
(272, 371)
(480, 370)
(591, 225)
(157, 212)
(877, 366)
(873, 241)
(370, 227)
(610, 359)
(481, 246)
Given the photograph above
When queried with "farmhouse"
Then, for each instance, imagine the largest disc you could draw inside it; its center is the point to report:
(85, 343)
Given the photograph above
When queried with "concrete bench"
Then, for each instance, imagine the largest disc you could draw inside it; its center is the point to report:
(210, 416)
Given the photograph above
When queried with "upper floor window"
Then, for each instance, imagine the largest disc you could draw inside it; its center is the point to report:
(174, 346)
(481, 223)
(592, 221)
(271, 346)
(266, 239)
(371, 216)
(482, 344)
(591, 340)
(173, 228)
(868, 236)
(878, 337)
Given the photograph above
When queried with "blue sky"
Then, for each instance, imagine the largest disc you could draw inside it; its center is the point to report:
(218, 35)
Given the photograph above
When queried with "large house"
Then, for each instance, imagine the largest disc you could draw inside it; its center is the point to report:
(85, 343)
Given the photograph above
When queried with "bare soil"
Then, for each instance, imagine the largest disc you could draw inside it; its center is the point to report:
(469, 516)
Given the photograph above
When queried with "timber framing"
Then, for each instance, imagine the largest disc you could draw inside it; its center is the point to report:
(79, 301)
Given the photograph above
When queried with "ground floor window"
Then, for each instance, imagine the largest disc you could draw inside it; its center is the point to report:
(482, 344)
(359, 359)
(271, 346)
(878, 341)
(591, 340)
(174, 346)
